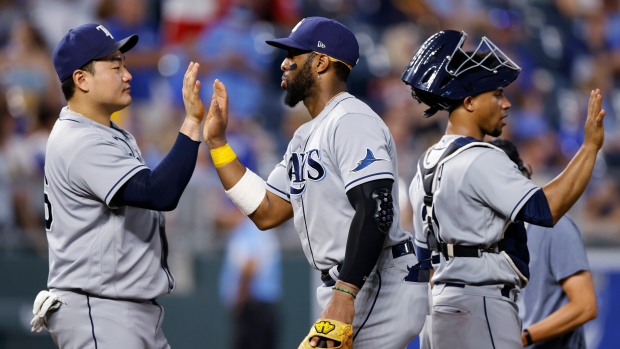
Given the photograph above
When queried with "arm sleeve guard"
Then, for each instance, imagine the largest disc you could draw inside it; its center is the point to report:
(161, 188)
(366, 235)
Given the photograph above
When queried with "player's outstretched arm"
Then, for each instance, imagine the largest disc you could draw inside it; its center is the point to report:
(245, 188)
(563, 191)
(194, 110)
(581, 308)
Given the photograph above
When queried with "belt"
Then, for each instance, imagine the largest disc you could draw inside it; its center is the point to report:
(451, 250)
(398, 250)
(505, 291)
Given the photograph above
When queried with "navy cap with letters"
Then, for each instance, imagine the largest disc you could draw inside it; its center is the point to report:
(322, 35)
(84, 44)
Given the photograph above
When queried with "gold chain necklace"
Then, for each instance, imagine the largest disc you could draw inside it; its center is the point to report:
(336, 95)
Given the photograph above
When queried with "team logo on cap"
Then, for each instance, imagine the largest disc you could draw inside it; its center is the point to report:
(103, 29)
(321, 45)
(297, 25)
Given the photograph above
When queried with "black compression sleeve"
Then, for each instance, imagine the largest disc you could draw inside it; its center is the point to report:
(161, 188)
(365, 239)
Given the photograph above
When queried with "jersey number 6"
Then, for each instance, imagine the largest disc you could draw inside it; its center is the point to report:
(48, 207)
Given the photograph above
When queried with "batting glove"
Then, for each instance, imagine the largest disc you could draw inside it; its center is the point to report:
(45, 302)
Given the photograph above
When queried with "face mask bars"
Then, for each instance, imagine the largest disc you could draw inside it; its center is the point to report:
(485, 45)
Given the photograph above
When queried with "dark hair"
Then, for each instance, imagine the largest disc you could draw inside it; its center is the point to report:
(511, 150)
(341, 70)
(68, 86)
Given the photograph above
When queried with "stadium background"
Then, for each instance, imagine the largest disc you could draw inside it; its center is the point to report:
(565, 47)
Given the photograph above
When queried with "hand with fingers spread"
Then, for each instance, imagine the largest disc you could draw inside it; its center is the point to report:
(593, 128)
(214, 131)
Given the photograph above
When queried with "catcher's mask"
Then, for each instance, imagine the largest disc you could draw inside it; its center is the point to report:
(441, 73)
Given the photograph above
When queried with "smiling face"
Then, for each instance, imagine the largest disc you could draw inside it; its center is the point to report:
(491, 108)
(109, 85)
(298, 79)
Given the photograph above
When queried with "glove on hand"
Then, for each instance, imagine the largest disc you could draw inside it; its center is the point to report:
(46, 301)
(339, 332)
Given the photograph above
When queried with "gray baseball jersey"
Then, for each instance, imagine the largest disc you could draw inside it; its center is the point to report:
(478, 193)
(115, 252)
(346, 145)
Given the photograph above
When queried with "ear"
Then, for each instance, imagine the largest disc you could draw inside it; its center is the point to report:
(468, 104)
(322, 63)
(80, 80)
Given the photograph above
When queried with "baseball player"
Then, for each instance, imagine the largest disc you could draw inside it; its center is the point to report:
(107, 241)
(560, 296)
(337, 180)
(467, 193)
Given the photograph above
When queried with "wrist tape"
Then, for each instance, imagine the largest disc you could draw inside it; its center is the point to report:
(248, 193)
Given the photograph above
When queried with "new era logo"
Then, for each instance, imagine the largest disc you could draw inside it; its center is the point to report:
(321, 45)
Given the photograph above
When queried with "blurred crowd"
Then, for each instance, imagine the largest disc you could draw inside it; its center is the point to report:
(565, 47)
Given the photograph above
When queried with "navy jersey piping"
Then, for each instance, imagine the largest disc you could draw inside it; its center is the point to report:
(370, 175)
(69, 120)
(115, 184)
(92, 324)
(518, 203)
(371, 307)
(278, 190)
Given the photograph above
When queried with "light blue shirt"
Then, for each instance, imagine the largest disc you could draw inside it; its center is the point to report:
(247, 243)
(556, 253)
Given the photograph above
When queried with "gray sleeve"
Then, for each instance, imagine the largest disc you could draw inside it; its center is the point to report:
(567, 254)
(360, 150)
(276, 183)
(496, 181)
(100, 168)
(415, 189)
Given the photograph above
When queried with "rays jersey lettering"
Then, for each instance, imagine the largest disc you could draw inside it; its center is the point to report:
(304, 166)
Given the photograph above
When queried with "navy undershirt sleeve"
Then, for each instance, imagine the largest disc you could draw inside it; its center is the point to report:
(161, 188)
(365, 240)
(536, 210)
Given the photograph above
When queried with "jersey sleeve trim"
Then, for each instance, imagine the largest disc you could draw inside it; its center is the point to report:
(522, 202)
(391, 176)
(278, 192)
(120, 182)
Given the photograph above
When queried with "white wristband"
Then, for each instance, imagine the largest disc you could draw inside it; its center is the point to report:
(248, 193)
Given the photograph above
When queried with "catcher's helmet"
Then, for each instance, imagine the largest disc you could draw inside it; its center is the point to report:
(441, 73)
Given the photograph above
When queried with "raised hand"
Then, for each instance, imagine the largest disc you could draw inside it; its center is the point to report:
(593, 128)
(214, 131)
(194, 110)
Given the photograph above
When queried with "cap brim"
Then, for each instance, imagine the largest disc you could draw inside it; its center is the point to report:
(123, 45)
(287, 43)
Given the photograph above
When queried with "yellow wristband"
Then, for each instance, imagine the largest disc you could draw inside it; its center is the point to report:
(222, 155)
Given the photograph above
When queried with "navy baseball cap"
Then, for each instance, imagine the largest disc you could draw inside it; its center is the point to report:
(84, 44)
(322, 35)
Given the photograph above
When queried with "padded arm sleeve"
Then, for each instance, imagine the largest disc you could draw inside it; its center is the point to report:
(536, 210)
(365, 239)
(161, 188)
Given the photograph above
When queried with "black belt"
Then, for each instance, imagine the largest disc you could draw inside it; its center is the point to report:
(450, 250)
(398, 250)
(505, 290)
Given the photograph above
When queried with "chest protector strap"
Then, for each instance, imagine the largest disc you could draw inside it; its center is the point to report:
(429, 174)
(513, 245)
